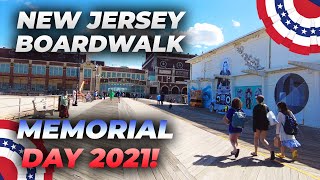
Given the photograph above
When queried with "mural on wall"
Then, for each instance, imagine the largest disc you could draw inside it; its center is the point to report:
(250, 61)
(293, 90)
(206, 92)
(247, 95)
(223, 96)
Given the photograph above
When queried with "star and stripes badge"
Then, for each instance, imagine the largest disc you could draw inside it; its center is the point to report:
(11, 153)
(292, 23)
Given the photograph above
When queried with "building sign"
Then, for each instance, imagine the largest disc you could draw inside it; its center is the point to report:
(293, 90)
(182, 73)
(165, 71)
(247, 95)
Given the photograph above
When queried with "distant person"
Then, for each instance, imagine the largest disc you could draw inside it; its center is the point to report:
(170, 105)
(162, 96)
(287, 121)
(111, 95)
(234, 132)
(88, 97)
(158, 99)
(104, 95)
(119, 96)
(64, 106)
(261, 126)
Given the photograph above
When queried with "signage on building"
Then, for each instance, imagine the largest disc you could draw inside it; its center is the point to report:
(182, 73)
(165, 71)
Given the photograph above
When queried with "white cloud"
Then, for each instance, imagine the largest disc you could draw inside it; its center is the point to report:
(235, 23)
(204, 34)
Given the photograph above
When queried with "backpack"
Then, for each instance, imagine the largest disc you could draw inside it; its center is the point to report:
(290, 126)
(238, 119)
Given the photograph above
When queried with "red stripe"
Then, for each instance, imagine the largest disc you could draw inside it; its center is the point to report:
(315, 49)
(8, 169)
(261, 7)
(304, 50)
(273, 33)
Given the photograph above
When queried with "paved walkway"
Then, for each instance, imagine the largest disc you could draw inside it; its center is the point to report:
(307, 165)
(199, 149)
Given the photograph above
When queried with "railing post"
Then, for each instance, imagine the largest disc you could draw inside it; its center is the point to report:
(19, 108)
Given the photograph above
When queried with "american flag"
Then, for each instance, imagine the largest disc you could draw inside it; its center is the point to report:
(292, 23)
(12, 149)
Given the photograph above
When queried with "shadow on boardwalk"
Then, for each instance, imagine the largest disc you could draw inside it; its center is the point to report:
(212, 122)
(228, 160)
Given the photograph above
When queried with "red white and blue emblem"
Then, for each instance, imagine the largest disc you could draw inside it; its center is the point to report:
(292, 23)
(11, 153)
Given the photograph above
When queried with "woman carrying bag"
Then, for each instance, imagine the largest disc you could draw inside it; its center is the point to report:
(261, 126)
(285, 116)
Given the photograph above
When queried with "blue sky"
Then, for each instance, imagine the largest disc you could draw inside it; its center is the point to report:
(207, 23)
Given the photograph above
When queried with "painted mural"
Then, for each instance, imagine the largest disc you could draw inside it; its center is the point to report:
(247, 95)
(293, 90)
(223, 96)
(206, 92)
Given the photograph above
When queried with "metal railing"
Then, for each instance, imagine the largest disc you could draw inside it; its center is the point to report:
(16, 107)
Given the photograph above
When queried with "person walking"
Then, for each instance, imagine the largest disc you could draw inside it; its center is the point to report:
(234, 132)
(260, 126)
(111, 95)
(162, 98)
(287, 140)
(158, 99)
(119, 96)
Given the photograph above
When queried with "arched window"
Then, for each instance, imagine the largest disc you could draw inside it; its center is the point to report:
(175, 90)
(165, 90)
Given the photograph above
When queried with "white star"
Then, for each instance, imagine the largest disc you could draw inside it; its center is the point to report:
(304, 31)
(13, 147)
(5, 143)
(288, 22)
(21, 151)
(30, 176)
(313, 31)
(295, 27)
(283, 14)
(280, 6)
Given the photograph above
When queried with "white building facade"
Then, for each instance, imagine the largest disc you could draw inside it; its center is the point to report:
(253, 65)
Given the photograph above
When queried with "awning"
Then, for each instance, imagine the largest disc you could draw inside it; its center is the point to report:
(306, 65)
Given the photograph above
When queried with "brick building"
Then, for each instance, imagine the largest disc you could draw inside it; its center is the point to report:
(167, 72)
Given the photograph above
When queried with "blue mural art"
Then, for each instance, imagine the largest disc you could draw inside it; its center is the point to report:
(206, 96)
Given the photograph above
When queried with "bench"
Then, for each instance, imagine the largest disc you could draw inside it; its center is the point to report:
(37, 113)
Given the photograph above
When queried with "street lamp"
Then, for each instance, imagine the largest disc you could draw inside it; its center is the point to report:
(78, 73)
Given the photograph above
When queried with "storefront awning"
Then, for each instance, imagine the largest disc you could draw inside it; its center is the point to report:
(307, 65)
(255, 72)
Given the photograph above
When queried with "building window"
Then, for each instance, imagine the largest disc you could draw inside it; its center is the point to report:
(142, 77)
(21, 68)
(55, 71)
(118, 74)
(114, 74)
(128, 75)
(104, 74)
(87, 73)
(138, 76)
(38, 69)
(108, 74)
(72, 71)
(123, 75)
(133, 76)
(5, 67)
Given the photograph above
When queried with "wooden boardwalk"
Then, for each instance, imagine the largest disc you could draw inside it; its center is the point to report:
(197, 151)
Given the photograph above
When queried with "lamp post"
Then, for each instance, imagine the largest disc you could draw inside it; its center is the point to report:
(78, 79)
